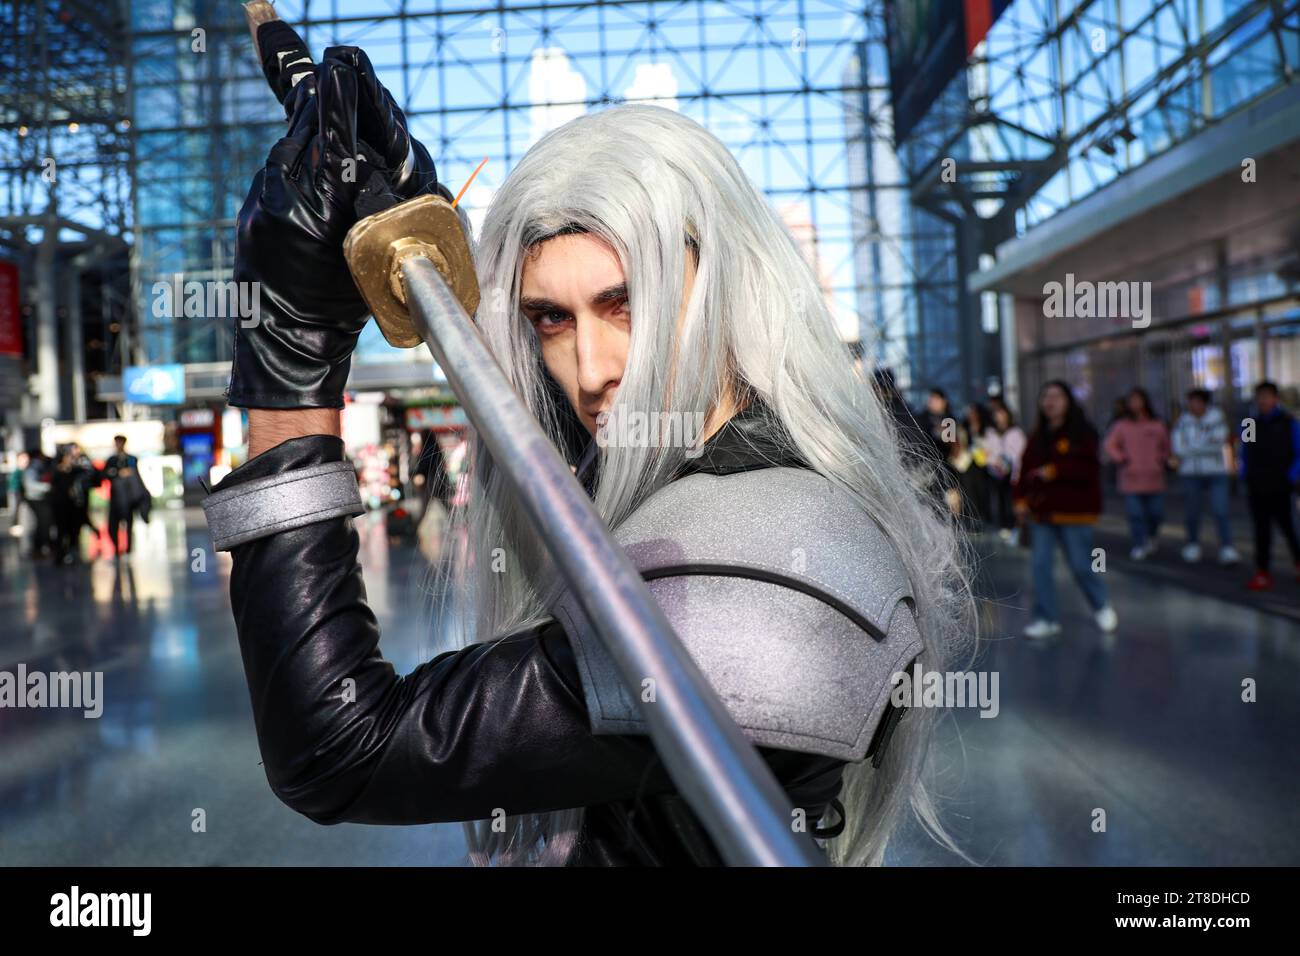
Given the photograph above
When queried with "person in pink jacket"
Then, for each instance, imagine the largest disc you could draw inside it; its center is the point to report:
(1139, 445)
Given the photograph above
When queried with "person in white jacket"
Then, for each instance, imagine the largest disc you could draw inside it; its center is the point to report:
(1199, 440)
(1004, 444)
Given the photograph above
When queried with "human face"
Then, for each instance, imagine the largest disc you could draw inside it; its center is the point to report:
(1196, 406)
(1053, 404)
(1136, 406)
(574, 293)
(1266, 401)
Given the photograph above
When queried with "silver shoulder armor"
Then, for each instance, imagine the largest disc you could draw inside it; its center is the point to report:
(787, 595)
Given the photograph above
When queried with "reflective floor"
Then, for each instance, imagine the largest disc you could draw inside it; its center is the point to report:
(1147, 725)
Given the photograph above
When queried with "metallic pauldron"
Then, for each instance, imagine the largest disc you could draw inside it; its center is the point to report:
(789, 598)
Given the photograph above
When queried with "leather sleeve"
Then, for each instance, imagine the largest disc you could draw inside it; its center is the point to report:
(494, 726)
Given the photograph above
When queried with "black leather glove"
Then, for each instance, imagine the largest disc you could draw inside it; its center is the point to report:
(407, 169)
(348, 154)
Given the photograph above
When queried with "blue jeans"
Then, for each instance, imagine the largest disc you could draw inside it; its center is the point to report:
(1076, 541)
(1145, 512)
(1196, 488)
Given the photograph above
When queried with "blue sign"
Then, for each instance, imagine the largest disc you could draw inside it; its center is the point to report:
(196, 457)
(154, 384)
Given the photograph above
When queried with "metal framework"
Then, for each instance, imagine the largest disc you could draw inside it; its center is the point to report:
(65, 193)
(65, 99)
(779, 81)
(1060, 99)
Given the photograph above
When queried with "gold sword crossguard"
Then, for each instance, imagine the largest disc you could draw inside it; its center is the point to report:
(376, 247)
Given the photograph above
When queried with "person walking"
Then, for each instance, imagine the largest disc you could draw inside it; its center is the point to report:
(65, 506)
(974, 479)
(126, 494)
(1059, 493)
(1004, 443)
(1139, 445)
(37, 477)
(1270, 467)
(1199, 440)
(86, 480)
(14, 482)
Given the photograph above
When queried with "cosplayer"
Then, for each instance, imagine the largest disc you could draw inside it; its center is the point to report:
(626, 265)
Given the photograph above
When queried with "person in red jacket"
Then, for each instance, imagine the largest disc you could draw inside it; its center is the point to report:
(1059, 493)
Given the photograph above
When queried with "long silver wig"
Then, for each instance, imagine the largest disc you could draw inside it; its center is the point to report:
(644, 179)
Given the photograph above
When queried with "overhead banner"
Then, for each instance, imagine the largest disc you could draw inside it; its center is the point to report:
(11, 317)
(980, 15)
(929, 41)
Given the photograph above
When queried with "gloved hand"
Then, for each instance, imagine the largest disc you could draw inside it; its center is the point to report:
(348, 154)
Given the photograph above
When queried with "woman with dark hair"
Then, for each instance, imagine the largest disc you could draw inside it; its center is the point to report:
(1139, 445)
(965, 459)
(1059, 492)
(938, 422)
(1004, 443)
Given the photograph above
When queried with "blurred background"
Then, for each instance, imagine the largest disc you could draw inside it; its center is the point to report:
(942, 164)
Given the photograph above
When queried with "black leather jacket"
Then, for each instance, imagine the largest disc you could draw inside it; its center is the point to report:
(494, 725)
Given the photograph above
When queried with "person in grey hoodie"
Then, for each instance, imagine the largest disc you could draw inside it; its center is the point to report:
(1198, 442)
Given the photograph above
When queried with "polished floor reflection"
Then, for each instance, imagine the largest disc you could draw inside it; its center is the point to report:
(1147, 725)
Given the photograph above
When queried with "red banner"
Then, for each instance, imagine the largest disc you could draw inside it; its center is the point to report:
(11, 318)
(980, 15)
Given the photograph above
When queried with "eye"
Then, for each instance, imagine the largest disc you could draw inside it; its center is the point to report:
(549, 322)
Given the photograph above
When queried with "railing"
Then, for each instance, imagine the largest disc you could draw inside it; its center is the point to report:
(714, 767)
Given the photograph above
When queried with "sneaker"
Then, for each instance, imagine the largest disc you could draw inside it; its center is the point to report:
(1106, 618)
(1139, 553)
(1005, 535)
(1191, 553)
(1152, 547)
(1014, 539)
(1228, 555)
(1042, 628)
(1262, 581)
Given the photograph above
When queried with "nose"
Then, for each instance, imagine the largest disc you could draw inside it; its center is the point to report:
(602, 350)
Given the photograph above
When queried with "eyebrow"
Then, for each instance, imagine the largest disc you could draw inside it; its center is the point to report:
(613, 293)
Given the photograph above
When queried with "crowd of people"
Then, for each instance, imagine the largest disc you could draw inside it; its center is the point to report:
(1041, 487)
(56, 494)
(1047, 483)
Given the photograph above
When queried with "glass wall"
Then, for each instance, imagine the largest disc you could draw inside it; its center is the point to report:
(1060, 99)
(775, 81)
(1122, 81)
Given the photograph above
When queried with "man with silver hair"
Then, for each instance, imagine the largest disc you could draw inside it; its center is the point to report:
(628, 268)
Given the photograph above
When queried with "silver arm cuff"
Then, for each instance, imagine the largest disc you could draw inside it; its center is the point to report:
(282, 502)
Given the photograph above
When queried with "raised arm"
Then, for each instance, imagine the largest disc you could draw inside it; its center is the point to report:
(499, 725)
